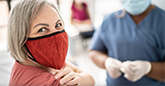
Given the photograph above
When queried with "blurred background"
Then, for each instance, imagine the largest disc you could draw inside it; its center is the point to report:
(78, 46)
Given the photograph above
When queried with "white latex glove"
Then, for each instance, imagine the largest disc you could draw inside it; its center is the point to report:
(135, 70)
(113, 67)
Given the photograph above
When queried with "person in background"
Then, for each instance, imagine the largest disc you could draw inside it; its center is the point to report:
(130, 45)
(80, 18)
(38, 43)
(9, 4)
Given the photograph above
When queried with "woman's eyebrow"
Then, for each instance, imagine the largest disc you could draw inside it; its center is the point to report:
(46, 24)
(41, 24)
(58, 21)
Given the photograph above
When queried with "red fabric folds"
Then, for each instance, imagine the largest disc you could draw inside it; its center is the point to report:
(23, 75)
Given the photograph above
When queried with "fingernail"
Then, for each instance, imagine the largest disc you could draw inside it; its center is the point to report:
(67, 83)
(78, 84)
(56, 77)
(61, 82)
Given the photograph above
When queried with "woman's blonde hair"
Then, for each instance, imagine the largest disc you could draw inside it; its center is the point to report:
(20, 19)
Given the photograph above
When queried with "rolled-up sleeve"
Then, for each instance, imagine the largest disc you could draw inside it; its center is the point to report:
(97, 43)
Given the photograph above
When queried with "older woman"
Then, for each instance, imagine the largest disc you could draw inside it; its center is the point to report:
(38, 42)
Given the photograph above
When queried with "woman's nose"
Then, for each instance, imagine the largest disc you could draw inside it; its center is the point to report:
(53, 29)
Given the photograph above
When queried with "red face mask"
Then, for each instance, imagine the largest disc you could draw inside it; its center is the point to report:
(49, 50)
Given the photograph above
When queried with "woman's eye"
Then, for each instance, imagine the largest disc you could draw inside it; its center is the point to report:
(58, 25)
(42, 30)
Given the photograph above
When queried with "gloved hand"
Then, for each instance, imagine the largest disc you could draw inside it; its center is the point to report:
(113, 67)
(135, 70)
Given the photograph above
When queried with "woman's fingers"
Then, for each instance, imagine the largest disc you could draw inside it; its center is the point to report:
(75, 81)
(63, 72)
(67, 77)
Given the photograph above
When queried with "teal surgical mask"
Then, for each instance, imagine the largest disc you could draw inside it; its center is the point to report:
(135, 7)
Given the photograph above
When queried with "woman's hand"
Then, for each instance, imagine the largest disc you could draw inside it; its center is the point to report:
(68, 77)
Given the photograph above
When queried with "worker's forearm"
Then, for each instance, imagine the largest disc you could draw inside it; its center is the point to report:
(98, 58)
(157, 71)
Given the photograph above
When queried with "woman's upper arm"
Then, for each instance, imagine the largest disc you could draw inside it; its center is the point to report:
(42, 78)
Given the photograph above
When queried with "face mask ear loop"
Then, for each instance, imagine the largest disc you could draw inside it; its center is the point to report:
(31, 56)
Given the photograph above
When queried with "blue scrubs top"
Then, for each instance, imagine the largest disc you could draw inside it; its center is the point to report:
(122, 39)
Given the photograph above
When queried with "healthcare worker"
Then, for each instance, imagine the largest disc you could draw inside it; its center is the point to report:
(130, 45)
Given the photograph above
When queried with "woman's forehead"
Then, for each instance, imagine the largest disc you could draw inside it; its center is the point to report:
(49, 14)
(48, 11)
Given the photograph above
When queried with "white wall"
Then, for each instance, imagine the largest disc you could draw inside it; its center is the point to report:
(159, 3)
